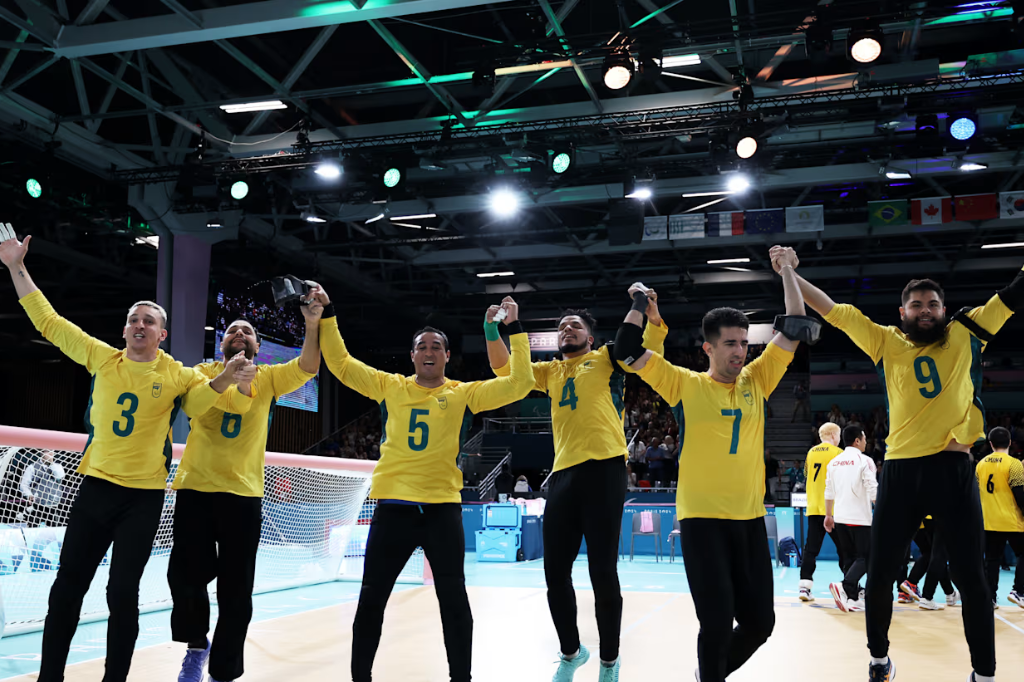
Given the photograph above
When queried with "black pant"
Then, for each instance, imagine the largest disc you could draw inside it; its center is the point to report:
(103, 513)
(815, 536)
(923, 538)
(395, 532)
(995, 543)
(585, 501)
(856, 544)
(216, 536)
(729, 569)
(944, 486)
(938, 567)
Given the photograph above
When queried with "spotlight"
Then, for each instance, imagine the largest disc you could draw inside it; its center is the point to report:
(329, 171)
(504, 203)
(311, 217)
(392, 176)
(562, 160)
(642, 193)
(962, 126)
(746, 147)
(618, 70)
(967, 166)
(864, 45)
(927, 125)
(894, 173)
(34, 189)
(737, 184)
(239, 190)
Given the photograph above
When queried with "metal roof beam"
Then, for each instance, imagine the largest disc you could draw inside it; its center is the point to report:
(557, 25)
(91, 12)
(12, 54)
(122, 68)
(42, 29)
(222, 23)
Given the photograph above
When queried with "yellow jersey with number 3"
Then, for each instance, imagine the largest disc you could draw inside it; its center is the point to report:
(423, 427)
(997, 475)
(814, 471)
(933, 393)
(721, 434)
(587, 394)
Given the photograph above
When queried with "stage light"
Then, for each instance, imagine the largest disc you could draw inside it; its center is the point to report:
(722, 261)
(504, 203)
(34, 189)
(618, 70)
(329, 171)
(253, 106)
(507, 273)
(967, 166)
(894, 173)
(746, 147)
(738, 183)
(927, 124)
(642, 193)
(392, 176)
(865, 45)
(561, 162)
(239, 190)
(962, 127)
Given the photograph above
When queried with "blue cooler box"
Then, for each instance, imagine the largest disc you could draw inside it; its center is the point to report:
(497, 545)
(505, 516)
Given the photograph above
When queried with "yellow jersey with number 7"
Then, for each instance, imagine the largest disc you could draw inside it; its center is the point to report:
(933, 392)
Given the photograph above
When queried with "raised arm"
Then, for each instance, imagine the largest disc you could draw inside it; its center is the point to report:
(629, 340)
(815, 298)
(309, 360)
(12, 255)
(495, 393)
(358, 376)
(497, 352)
(785, 263)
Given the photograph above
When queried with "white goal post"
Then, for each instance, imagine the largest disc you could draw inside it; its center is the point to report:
(316, 517)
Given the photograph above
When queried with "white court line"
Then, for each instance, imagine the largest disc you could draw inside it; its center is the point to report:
(649, 615)
(783, 574)
(1015, 627)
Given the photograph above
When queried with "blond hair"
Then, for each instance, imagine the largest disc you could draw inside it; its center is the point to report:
(829, 429)
(155, 306)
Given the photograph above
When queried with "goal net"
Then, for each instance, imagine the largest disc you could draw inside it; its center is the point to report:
(316, 517)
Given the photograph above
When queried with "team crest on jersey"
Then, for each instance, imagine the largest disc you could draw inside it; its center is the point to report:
(749, 397)
(442, 402)
(588, 364)
(157, 389)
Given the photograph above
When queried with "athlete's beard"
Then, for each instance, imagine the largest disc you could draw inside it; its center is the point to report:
(925, 336)
(247, 348)
(572, 348)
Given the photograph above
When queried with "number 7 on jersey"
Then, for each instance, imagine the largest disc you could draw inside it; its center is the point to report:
(737, 417)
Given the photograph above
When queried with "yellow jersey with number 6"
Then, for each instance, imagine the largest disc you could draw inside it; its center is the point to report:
(933, 393)
(721, 434)
(998, 474)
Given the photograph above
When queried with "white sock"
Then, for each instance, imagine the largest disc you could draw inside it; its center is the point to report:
(571, 656)
(608, 664)
(982, 678)
(879, 661)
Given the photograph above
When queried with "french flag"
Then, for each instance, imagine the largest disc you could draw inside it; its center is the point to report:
(725, 223)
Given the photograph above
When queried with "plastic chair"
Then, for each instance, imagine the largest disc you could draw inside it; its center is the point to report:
(656, 522)
(673, 537)
(772, 526)
(643, 484)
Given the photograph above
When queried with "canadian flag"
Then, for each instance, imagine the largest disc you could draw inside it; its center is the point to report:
(931, 211)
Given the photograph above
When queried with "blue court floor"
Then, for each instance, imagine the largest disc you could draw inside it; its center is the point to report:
(20, 654)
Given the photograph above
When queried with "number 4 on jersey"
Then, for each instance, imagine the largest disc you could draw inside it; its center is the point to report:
(569, 394)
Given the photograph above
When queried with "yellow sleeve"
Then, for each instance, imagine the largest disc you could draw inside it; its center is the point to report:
(1015, 476)
(868, 336)
(992, 316)
(654, 337)
(72, 341)
(768, 370)
(288, 376)
(358, 376)
(495, 393)
(665, 378)
(198, 395)
(540, 372)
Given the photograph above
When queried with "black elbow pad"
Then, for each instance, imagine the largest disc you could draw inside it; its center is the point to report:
(1013, 295)
(629, 343)
(799, 328)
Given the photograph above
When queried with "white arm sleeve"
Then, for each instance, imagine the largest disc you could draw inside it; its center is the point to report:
(867, 475)
(26, 480)
(830, 487)
(58, 471)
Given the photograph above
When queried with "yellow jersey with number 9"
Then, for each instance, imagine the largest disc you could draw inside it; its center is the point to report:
(721, 434)
(933, 393)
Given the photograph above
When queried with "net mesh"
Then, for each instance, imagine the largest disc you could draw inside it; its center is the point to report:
(315, 526)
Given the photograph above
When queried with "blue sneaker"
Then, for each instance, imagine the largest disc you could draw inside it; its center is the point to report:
(192, 666)
(567, 667)
(882, 673)
(609, 673)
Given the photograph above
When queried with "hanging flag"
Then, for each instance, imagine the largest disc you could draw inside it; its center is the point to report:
(882, 213)
(725, 223)
(686, 226)
(805, 218)
(931, 211)
(1011, 204)
(977, 207)
(765, 220)
(655, 227)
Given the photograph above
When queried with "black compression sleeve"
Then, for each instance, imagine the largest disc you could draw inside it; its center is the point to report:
(1013, 295)
(515, 327)
(328, 311)
(639, 301)
(1018, 494)
(629, 343)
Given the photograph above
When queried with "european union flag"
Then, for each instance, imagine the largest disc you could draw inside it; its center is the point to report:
(766, 221)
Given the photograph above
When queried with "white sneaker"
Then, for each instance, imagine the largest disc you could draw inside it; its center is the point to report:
(1017, 598)
(839, 595)
(806, 587)
(930, 605)
(855, 606)
(953, 599)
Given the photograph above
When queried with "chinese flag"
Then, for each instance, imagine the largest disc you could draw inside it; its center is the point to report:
(977, 207)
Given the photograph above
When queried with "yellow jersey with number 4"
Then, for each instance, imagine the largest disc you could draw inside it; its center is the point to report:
(423, 427)
(587, 408)
(997, 475)
(814, 470)
(933, 393)
(721, 434)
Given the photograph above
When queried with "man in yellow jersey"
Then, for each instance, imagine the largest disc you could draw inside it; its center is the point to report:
(720, 498)
(587, 487)
(136, 394)
(930, 368)
(218, 512)
(1001, 484)
(417, 482)
(814, 471)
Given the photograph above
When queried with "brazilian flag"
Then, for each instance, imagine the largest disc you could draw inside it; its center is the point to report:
(886, 213)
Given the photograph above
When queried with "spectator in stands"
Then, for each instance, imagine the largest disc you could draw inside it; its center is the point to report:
(638, 456)
(671, 462)
(656, 461)
(803, 400)
(522, 485)
(40, 486)
(836, 416)
(504, 482)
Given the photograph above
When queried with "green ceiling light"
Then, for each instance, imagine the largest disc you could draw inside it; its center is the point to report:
(239, 190)
(392, 176)
(34, 189)
(561, 163)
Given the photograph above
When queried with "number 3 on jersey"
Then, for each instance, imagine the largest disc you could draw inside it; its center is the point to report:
(569, 394)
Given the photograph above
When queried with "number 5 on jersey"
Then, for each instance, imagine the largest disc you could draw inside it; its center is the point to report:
(416, 425)
(569, 394)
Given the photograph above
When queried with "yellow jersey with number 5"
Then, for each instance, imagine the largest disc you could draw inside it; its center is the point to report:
(721, 434)
(933, 393)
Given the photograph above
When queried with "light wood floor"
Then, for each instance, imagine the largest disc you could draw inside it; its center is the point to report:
(515, 641)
